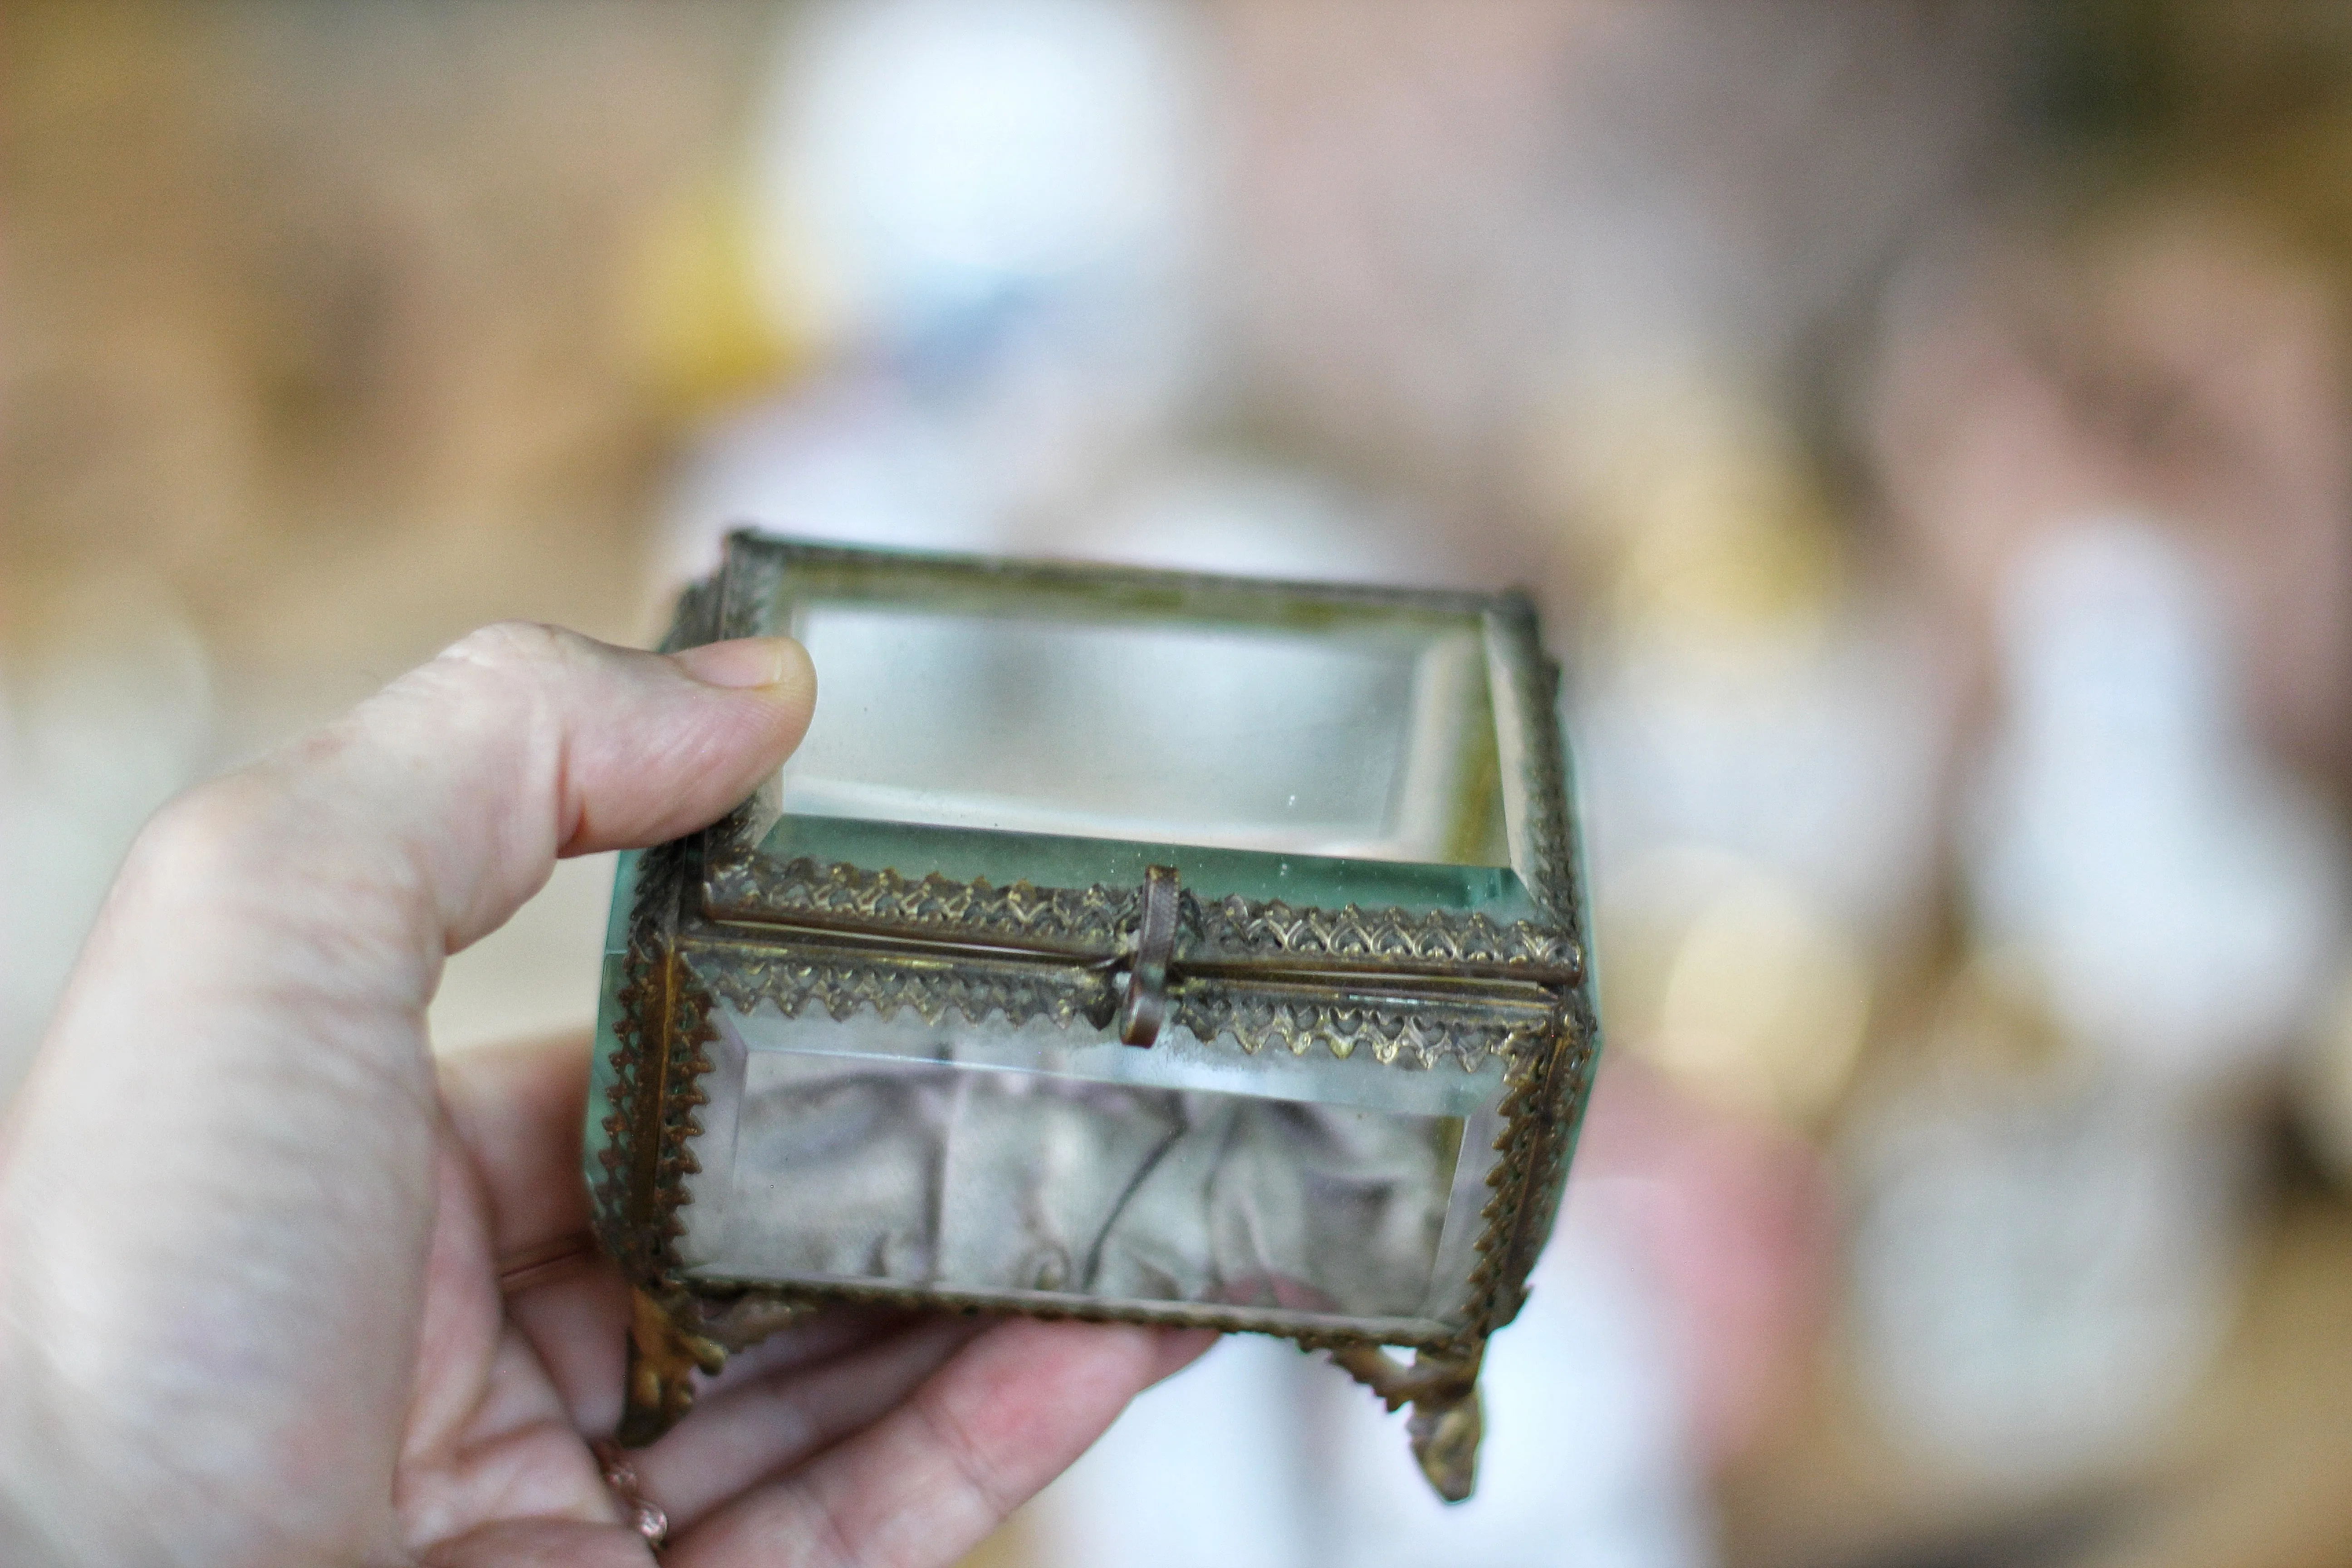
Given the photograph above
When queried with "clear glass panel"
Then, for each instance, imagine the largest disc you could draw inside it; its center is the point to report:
(598, 1137)
(1045, 1164)
(1362, 737)
(966, 854)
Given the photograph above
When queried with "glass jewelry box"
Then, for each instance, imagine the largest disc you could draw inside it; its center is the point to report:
(1118, 944)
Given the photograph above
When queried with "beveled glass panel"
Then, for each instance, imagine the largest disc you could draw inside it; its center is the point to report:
(1365, 739)
(1063, 860)
(1046, 1163)
(598, 1134)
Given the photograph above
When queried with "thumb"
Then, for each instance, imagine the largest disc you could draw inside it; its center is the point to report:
(468, 777)
(336, 874)
(422, 819)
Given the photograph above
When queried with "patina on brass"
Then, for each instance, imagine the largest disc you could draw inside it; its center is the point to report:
(717, 922)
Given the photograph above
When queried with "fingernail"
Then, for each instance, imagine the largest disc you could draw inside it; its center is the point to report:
(745, 662)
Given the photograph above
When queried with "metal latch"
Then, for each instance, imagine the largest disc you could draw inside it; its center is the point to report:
(1145, 1008)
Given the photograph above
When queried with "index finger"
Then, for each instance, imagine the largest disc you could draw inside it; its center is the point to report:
(929, 1480)
(519, 1112)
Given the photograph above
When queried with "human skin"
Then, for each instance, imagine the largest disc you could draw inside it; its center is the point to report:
(252, 1232)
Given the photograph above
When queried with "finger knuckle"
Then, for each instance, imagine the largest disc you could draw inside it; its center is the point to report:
(508, 667)
(514, 646)
(202, 835)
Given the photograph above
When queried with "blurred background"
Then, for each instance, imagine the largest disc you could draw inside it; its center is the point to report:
(1926, 427)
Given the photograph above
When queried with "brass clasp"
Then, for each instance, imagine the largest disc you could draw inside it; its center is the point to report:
(1145, 1008)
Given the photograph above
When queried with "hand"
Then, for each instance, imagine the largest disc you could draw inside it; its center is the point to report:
(252, 1235)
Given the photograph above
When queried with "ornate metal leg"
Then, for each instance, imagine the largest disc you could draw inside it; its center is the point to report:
(1446, 1432)
(663, 1358)
(1446, 1421)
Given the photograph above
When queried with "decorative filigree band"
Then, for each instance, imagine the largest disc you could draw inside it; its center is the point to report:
(1089, 921)
(1101, 921)
(746, 978)
(1237, 927)
(1467, 1034)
